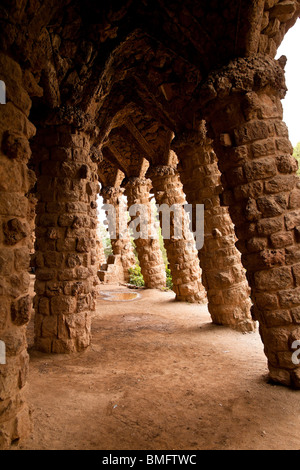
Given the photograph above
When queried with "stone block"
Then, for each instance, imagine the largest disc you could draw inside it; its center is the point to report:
(263, 148)
(49, 326)
(289, 298)
(269, 226)
(13, 205)
(66, 275)
(281, 184)
(63, 305)
(277, 339)
(260, 169)
(83, 244)
(292, 219)
(21, 259)
(274, 279)
(44, 306)
(272, 206)
(53, 259)
(21, 310)
(67, 244)
(266, 301)
(283, 10)
(294, 201)
(250, 190)
(6, 261)
(281, 240)
(257, 130)
(255, 245)
(287, 164)
(277, 318)
(284, 145)
(45, 274)
(22, 424)
(279, 375)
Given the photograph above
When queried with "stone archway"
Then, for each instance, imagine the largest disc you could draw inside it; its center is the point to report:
(70, 69)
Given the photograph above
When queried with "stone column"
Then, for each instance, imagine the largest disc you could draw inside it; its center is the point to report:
(120, 242)
(222, 272)
(100, 251)
(182, 253)
(16, 180)
(149, 253)
(263, 193)
(66, 222)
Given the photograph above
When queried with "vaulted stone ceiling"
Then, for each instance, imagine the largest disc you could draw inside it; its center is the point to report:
(78, 50)
(109, 174)
(107, 86)
(134, 67)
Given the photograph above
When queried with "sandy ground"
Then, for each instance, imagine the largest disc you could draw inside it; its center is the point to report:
(159, 376)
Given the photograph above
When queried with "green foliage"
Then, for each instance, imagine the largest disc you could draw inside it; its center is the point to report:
(169, 279)
(105, 240)
(297, 155)
(135, 276)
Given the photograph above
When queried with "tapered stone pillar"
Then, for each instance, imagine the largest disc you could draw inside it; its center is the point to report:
(120, 238)
(263, 193)
(149, 253)
(16, 180)
(181, 252)
(66, 222)
(223, 274)
(101, 259)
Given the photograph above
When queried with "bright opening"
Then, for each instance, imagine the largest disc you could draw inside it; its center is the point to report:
(291, 104)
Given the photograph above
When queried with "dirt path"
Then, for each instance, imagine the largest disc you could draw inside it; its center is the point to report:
(158, 376)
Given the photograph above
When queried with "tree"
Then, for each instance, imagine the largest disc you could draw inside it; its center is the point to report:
(297, 155)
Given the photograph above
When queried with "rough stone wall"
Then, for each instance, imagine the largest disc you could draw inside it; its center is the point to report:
(222, 272)
(121, 243)
(148, 250)
(112, 272)
(278, 17)
(262, 190)
(182, 254)
(66, 222)
(73, 63)
(15, 303)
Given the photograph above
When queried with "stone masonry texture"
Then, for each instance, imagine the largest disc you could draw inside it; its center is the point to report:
(188, 93)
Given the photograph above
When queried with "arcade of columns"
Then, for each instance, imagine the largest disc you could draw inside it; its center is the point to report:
(164, 112)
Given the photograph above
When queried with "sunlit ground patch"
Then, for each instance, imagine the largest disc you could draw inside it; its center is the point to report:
(119, 296)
